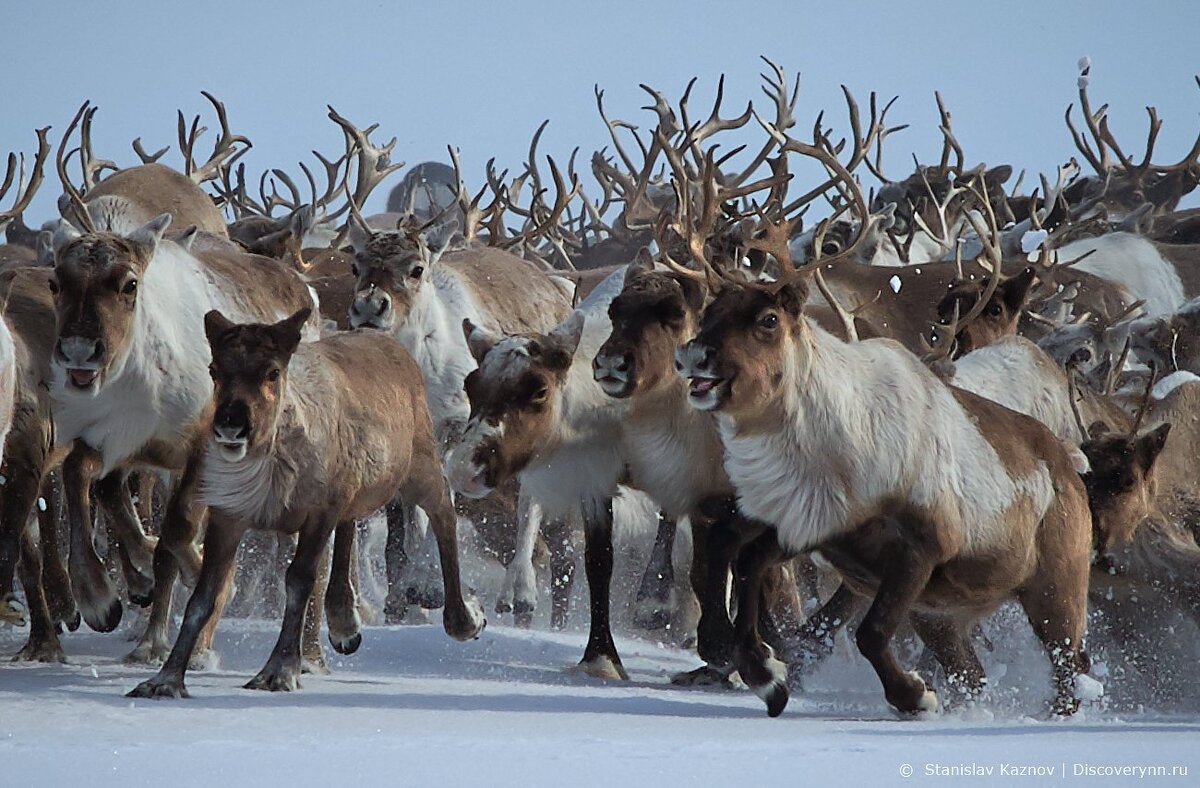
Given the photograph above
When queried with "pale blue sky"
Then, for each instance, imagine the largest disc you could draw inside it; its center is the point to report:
(483, 76)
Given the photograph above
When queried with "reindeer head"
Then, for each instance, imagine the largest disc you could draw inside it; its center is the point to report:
(249, 372)
(1121, 484)
(516, 401)
(1173, 342)
(655, 312)
(739, 361)
(392, 268)
(998, 319)
(95, 287)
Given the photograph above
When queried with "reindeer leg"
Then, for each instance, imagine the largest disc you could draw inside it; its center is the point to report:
(203, 657)
(815, 641)
(16, 506)
(462, 618)
(341, 605)
(600, 657)
(312, 657)
(755, 660)
(653, 608)
(94, 589)
(905, 577)
(137, 550)
(55, 579)
(281, 673)
(560, 536)
(43, 644)
(154, 646)
(220, 549)
(519, 591)
(181, 523)
(953, 649)
(714, 548)
(396, 559)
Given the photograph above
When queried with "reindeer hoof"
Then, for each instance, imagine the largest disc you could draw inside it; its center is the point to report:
(602, 667)
(204, 659)
(347, 645)
(142, 596)
(12, 611)
(503, 606)
(159, 688)
(42, 651)
(394, 609)
(281, 681)
(465, 624)
(523, 613)
(915, 698)
(148, 652)
(103, 615)
(652, 614)
(73, 622)
(705, 676)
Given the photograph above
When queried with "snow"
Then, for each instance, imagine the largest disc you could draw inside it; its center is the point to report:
(413, 707)
(1166, 385)
(895, 284)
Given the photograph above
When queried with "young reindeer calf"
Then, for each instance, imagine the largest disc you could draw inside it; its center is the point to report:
(308, 439)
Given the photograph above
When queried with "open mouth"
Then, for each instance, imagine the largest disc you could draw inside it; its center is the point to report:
(83, 378)
(699, 387)
(614, 386)
(231, 449)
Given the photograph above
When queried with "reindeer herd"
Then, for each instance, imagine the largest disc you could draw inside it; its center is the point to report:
(942, 396)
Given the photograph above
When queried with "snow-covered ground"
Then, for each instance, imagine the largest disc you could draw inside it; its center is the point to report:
(415, 708)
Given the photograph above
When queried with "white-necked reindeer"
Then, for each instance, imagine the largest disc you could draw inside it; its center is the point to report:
(411, 286)
(129, 373)
(932, 502)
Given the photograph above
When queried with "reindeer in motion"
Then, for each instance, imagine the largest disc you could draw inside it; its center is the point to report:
(932, 502)
(307, 439)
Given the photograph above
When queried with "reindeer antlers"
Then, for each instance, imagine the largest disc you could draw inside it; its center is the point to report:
(16, 171)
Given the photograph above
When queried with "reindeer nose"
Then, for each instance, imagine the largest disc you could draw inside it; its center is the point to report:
(693, 357)
(231, 423)
(79, 350)
(372, 303)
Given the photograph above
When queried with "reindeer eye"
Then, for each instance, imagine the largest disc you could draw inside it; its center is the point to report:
(130, 287)
(830, 247)
(994, 310)
(354, 269)
(53, 283)
(416, 272)
(540, 396)
(273, 375)
(768, 321)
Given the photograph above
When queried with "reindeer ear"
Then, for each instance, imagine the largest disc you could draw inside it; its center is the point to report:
(216, 324)
(64, 234)
(694, 293)
(288, 331)
(998, 176)
(1016, 290)
(886, 218)
(45, 249)
(437, 238)
(566, 335)
(793, 296)
(357, 236)
(479, 340)
(187, 237)
(147, 237)
(1097, 430)
(1151, 444)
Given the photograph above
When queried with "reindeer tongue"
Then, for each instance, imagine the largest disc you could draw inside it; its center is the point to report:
(702, 385)
(82, 377)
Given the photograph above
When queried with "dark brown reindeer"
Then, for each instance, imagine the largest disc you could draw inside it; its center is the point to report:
(816, 450)
(307, 439)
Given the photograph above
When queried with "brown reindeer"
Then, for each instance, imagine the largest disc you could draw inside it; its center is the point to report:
(308, 439)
